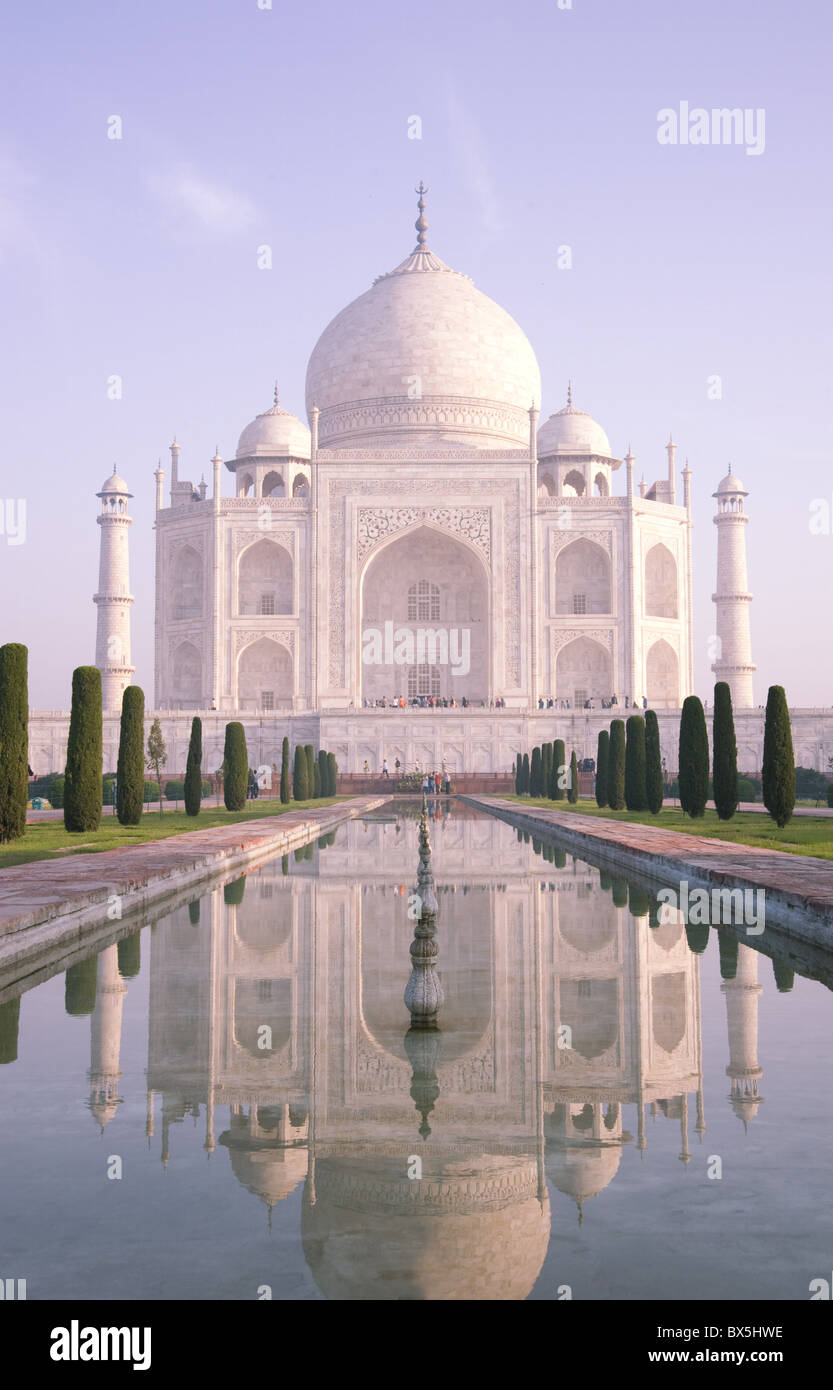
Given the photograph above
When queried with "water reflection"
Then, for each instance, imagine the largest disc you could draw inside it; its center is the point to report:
(423, 1155)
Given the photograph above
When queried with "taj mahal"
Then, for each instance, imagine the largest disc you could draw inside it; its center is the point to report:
(429, 571)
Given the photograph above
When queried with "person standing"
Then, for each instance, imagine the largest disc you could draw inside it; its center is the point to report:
(385, 772)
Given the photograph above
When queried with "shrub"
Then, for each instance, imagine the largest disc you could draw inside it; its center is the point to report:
(285, 786)
(130, 768)
(746, 789)
(778, 762)
(602, 750)
(653, 764)
(616, 767)
(55, 791)
(829, 794)
(300, 785)
(192, 790)
(636, 797)
(82, 788)
(150, 791)
(809, 784)
(236, 767)
(694, 758)
(174, 790)
(724, 754)
(14, 741)
(157, 755)
(572, 792)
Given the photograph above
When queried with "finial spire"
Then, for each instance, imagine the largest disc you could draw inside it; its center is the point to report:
(569, 393)
(276, 394)
(421, 224)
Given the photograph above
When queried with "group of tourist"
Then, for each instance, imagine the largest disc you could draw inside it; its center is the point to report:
(547, 702)
(423, 702)
(434, 782)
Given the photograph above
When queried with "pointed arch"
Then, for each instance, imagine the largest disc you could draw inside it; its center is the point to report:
(582, 578)
(265, 676)
(265, 580)
(186, 584)
(186, 682)
(662, 676)
(574, 484)
(661, 600)
(584, 671)
(273, 485)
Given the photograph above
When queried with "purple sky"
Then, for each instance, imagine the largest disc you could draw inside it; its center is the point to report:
(244, 126)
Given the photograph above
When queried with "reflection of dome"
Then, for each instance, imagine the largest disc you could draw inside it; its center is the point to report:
(572, 431)
(270, 1173)
(467, 1231)
(275, 434)
(423, 359)
(581, 1172)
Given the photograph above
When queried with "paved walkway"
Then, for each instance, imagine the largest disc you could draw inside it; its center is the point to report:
(761, 809)
(49, 899)
(798, 888)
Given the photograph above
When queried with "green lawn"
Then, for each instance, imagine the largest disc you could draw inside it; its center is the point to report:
(801, 835)
(49, 839)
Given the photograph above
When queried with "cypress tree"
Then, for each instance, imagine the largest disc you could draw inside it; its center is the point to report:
(694, 758)
(653, 764)
(300, 785)
(518, 774)
(332, 767)
(130, 769)
(14, 741)
(535, 773)
(636, 797)
(728, 947)
(724, 754)
(285, 789)
(235, 767)
(194, 912)
(233, 892)
(620, 891)
(639, 901)
(778, 772)
(82, 788)
(193, 770)
(80, 984)
(559, 858)
(9, 1021)
(697, 934)
(546, 769)
(784, 977)
(316, 790)
(616, 766)
(129, 953)
(572, 793)
(559, 761)
(322, 782)
(602, 750)
(309, 753)
(525, 775)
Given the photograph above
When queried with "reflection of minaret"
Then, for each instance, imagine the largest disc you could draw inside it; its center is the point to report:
(742, 1016)
(105, 1037)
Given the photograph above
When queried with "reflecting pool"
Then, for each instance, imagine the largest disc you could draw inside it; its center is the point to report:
(231, 1104)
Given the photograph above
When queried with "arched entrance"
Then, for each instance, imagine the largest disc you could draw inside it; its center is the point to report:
(662, 676)
(425, 620)
(264, 676)
(584, 671)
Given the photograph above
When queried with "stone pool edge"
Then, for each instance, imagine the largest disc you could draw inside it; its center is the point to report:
(143, 876)
(801, 912)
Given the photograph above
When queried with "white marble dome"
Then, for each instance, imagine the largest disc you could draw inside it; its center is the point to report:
(730, 483)
(277, 433)
(572, 431)
(423, 360)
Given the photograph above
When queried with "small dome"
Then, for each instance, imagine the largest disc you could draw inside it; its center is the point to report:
(572, 431)
(730, 484)
(114, 484)
(271, 1174)
(277, 433)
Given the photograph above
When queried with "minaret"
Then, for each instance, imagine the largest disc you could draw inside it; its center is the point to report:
(734, 651)
(105, 1037)
(112, 643)
(742, 992)
(671, 450)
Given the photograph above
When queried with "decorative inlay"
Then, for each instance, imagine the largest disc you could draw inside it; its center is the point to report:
(562, 635)
(559, 538)
(244, 636)
(244, 538)
(392, 412)
(373, 523)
